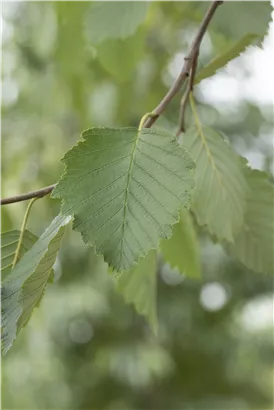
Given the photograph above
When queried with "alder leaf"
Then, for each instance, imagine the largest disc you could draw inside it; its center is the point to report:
(111, 54)
(24, 286)
(235, 19)
(221, 60)
(254, 244)
(125, 188)
(112, 19)
(9, 242)
(182, 249)
(138, 286)
(219, 199)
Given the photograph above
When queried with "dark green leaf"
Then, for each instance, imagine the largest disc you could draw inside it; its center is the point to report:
(125, 188)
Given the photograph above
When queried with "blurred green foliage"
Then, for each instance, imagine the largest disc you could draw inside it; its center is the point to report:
(84, 348)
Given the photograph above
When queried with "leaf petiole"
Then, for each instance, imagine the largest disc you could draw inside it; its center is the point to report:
(25, 220)
(195, 114)
(144, 118)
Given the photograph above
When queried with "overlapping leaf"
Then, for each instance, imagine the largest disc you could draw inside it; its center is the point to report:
(219, 198)
(112, 19)
(254, 245)
(138, 286)
(24, 286)
(235, 19)
(125, 188)
(111, 54)
(224, 58)
(6, 219)
(182, 249)
(9, 242)
(70, 40)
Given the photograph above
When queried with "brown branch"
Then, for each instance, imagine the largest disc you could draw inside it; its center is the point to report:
(158, 110)
(185, 98)
(175, 88)
(24, 197)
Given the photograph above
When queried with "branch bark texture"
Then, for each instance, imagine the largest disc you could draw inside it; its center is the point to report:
(39, 193)
(175, 88)
(194, 48)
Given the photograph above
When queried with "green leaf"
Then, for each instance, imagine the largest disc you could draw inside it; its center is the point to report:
(112, 19)
(254, 245)
(9, 242)
(24, 286)
(220, 195)
(221, 60)
(139, 287)
(70, 53)
(125, 188)
(182, 249)
(235, 19)
(6, 219)
(111, 54)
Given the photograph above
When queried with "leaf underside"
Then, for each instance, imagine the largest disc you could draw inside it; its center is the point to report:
(24, 286)
(224, 58)
(138, 286)
(254, 245)
(9, 242)
(219, 199)
(124, 188)
(182, 249)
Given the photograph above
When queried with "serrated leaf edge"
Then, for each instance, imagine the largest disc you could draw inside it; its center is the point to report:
(56, 194)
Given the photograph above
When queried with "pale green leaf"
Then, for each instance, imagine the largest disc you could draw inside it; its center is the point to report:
(112, 19)
(125, 189)
(221, 60)
(219, 198)
(111, 54)
(6, 219)
(70, 53)
(24, 286)
(138, 286)
(235, 19)
(9, 242)
(254, 245)
(182, 249)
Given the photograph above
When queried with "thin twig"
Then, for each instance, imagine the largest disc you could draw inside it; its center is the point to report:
(175, 88)
(185, 98)
(24, 197)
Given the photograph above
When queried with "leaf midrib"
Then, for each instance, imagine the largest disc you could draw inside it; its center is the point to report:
(126, 194)
(210, 158)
